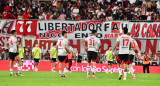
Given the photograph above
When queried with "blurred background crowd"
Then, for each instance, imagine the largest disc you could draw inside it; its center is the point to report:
(81, 9)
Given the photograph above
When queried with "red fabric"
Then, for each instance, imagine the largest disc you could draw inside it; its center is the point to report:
(14, 16)
(7, 8)
(26, 15)
(70, 64)
(47, 17)
(4, 14)
(95, 59)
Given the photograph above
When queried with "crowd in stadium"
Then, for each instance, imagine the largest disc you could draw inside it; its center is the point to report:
(81, 10)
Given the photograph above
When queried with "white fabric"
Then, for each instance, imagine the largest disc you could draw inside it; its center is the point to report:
(93, 43)
(75, 11)
(158, 4)
(134, 44)
(61, 46)
(124, 43)
(12, 44)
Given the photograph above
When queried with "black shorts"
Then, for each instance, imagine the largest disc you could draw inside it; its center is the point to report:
(91, 55)
(131, 57)
(36, 60)
(63, 59)
(22, 59)
(110, 62)
(12, 55)
(123, 58)
(53, 60)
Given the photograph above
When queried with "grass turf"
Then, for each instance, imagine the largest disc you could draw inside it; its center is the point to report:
(42, 78)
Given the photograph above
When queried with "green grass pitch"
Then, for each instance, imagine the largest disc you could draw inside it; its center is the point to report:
(42, 78)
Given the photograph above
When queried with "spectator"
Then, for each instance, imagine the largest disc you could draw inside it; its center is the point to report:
(62, 16)
(75, 12)
(4, 15)
(46, 55)
(158, 6)
(26, 15)
(145, 62)
(7, 8)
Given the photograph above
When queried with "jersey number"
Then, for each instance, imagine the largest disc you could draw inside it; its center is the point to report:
(125, 42)
(91, 42)
(133, 44)
(60, 43)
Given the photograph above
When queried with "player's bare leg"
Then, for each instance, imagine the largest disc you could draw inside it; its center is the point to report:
(52, 67)
(19, 65)
(132, 71)
(36, 67)
(88, 69)
(109, 69)
(65, 70)
(94, 70)
(60, 68)
(119, 70)
(125, 71)
(11, 70)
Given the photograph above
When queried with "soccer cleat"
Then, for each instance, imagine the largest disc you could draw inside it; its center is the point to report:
(12, 75)
(64, 75)
(124, 78)
(19, 74)
(107, 72)
(93, 77)
(88, 76)
(120, 77)
(133, 78)
(53, 71)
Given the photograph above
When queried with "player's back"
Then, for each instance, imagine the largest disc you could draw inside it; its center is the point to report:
(61, 46)
(124, 44)
(12, 41)
(93, 43)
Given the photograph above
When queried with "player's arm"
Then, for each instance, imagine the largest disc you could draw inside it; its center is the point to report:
(65, 47)
(130, 45)
(8, 46)
(116, 45)
(83, 43)
(40, 55)
(33, 53)
(99, 46)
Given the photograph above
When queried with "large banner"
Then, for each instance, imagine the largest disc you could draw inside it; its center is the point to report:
(51, 29)
(80, 67)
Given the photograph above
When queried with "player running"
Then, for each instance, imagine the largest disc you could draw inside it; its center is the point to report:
(109, 56)
(53, 57)
(36, 53)
(21, 54)
(132, 55)
(12, 45)
(62, 49)
(94, 45)
(124, 42)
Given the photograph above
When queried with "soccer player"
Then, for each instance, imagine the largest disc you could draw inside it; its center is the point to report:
(62, 49)
(53, 57)
(109, 55)
(132, 55)
(124, 42)
(12, 45)
(36, 53)
(94, 45)
(21, 54)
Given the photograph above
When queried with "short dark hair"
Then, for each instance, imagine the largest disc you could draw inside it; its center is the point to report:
(55, 43)
(13, 32)
(125, 29)
(94, 31)
(110, 46)
(63, 32)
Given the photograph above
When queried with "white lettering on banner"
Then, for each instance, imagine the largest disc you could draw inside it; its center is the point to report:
(21, 29)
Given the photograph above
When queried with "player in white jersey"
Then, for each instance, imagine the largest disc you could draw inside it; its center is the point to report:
(124, 42)
(94, 45)
(12, 45)
(132, 55)
(62, 49)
